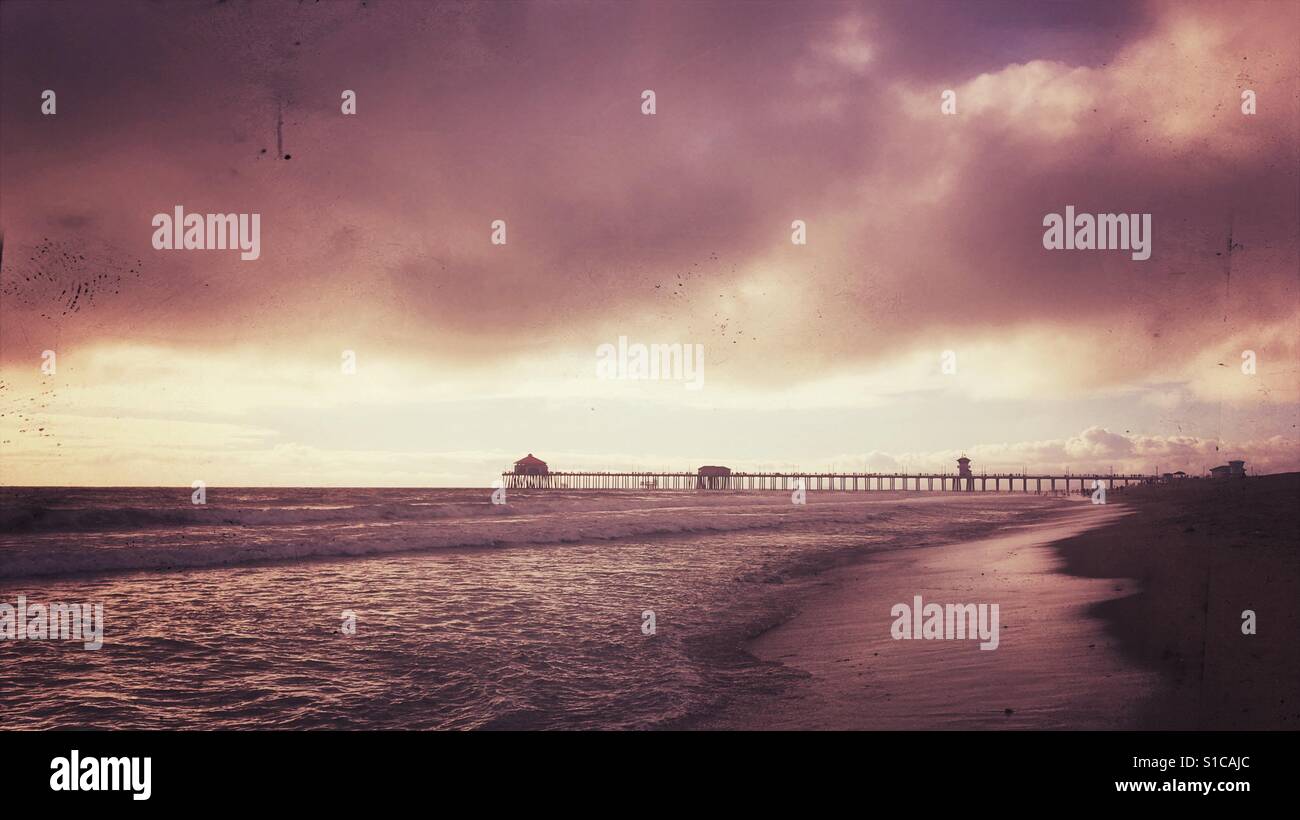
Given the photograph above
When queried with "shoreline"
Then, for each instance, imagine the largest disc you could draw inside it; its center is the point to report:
(854, 675)
(1128, 621)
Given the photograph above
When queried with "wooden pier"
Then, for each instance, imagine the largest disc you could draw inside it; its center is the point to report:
(813, 482)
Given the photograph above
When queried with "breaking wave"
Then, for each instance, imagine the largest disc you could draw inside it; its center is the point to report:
(94, 538)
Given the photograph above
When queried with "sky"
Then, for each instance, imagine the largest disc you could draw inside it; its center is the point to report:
(922, 318)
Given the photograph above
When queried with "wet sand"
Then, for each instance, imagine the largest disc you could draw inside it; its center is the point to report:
(1123, 616)
(1056, 667)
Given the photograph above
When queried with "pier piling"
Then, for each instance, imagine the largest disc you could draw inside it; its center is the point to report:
(812, 482)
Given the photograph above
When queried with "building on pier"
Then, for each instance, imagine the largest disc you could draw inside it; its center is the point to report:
(713, 478)
(963, 472)
(531, 465)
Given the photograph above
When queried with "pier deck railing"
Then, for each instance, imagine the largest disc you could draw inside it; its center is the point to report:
(842, 482)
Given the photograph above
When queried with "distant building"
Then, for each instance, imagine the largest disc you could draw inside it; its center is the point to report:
(1233, 469)
(530, 465)
(713, 478)
(963, 467)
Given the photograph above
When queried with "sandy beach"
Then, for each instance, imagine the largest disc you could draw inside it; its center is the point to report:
(1205, 552)
(1102, 616)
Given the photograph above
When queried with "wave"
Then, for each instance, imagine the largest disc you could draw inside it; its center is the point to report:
(36, 518)
(51, 555)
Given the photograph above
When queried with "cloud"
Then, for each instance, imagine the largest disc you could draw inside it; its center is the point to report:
(1095, 450)
(924, 229)
(378, 227)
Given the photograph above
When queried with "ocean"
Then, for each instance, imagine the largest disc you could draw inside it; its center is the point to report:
(430, 609)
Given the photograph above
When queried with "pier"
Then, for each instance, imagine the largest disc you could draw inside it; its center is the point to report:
(531, 473)
(812, 482)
